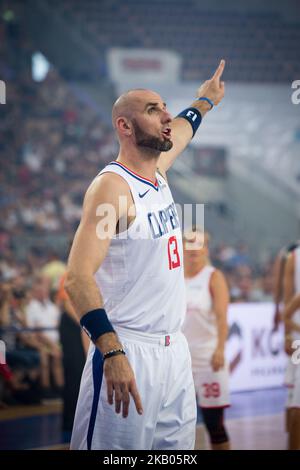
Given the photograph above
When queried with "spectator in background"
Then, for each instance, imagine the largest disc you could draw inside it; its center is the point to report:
(241, 257)
(243, 289)
(223, 255)
(42, 313)
(22, 367)
(6, 379)
(54, 269)
(8, 265)
(267, 282)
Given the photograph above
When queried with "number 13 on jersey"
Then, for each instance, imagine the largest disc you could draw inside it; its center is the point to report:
(173, 255)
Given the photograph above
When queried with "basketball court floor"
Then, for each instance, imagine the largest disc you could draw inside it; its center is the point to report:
(255, 421)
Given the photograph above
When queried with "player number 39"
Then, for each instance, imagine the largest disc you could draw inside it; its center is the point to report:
(211, 390)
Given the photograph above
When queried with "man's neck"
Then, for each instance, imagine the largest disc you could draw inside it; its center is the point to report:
(139, 163)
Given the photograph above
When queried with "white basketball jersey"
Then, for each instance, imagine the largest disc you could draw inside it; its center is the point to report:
(296, 316)
(200, 325)
(141, 279)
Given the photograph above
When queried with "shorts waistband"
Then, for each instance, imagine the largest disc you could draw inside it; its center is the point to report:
(159, 339)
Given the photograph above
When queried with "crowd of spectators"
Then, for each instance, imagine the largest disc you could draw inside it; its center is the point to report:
(52, 148)
(247, 280)
(31, 359)
(52, 144)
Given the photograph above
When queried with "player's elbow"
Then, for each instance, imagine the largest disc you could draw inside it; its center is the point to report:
(77, 282)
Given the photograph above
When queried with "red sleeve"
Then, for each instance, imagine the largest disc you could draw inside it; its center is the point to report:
(5, 372)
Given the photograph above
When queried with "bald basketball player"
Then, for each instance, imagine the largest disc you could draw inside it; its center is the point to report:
(125, 279)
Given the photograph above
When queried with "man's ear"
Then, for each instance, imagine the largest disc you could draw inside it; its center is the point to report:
(123, 126)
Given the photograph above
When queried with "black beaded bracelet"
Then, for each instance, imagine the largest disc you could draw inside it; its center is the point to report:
(114, 352)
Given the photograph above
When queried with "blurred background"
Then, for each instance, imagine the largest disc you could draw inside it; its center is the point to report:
(64, 63)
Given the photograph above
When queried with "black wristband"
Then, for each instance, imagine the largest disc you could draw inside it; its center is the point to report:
(114, 352)
(193, 116)
(95, 323)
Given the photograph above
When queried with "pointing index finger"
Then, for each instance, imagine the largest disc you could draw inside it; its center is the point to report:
(218, 73)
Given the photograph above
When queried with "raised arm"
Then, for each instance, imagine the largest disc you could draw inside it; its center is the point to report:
(87, 254)
(182, 131)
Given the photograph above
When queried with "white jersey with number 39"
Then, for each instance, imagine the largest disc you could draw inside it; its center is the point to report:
(141, 279)
(200, 329)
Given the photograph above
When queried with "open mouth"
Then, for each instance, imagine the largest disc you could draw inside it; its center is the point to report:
(167, 132)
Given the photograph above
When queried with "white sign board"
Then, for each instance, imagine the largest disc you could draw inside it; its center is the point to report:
(139, 67)
(255, 352)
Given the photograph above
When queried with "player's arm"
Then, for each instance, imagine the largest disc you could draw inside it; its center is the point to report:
(182, 128)
(278, 287)
(277, 273)
(288, 280)
(288, 313)
(69, 310)
(64, 304)
(88, 251)
(220, 296)
(288, 293)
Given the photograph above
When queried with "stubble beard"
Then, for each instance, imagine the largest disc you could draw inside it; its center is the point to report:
(152, 145)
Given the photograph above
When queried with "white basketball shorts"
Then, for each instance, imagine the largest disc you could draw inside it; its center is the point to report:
(292, 381)
(212, 388)
(162, 367)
